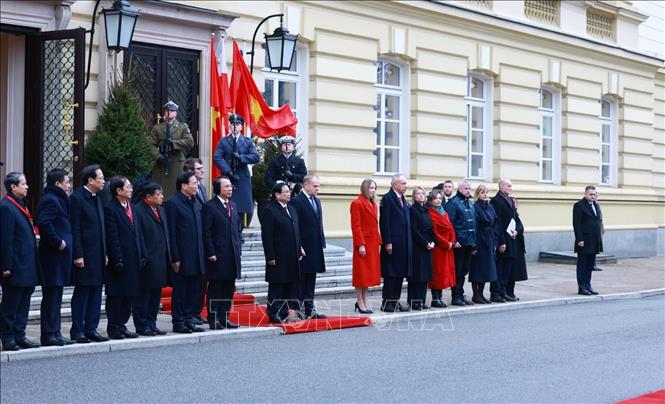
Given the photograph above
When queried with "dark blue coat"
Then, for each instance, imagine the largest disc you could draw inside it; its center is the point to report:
(54, 228)
(185, 233)
(395, 227)
(18, 246)
(155, 234)
(422, 234)
(461, 215)
(221, 238)
(242, 192)
(280, 235)
(311, 233)
(125, 246)
(278, 167)
(483, 264)
(588, 227)
(87, 218)
(504, 213)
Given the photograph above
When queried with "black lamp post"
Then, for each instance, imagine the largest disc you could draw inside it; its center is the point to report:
(280, 46)
(119, 22)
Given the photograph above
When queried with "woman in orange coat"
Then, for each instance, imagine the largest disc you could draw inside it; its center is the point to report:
(443, 259)
(366, 244)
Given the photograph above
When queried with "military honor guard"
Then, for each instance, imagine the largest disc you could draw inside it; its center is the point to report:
(286, 166)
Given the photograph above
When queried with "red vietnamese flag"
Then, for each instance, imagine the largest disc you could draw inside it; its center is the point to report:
(247, 101)
(216, 106)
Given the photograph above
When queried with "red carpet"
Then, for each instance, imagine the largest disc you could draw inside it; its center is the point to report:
(657, 397)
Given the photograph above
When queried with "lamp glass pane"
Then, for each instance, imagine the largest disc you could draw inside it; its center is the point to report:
(127, 29)
(274, 52)
(112, 21)
(289, 46)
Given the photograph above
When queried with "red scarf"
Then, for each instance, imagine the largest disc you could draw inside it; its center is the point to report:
(26, 212)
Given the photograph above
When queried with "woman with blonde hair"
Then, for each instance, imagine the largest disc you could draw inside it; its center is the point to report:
(423, 244)
(366, 244)
(483, 262)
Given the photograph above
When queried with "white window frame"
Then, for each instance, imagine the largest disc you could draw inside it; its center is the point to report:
(555, 114)
(300, 77)
(403, 92)
(487, 103)
(611, 121)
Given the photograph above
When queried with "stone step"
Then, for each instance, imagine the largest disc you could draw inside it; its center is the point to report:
(252, 276)
(261, 286)
(255, 251)
(570, 257)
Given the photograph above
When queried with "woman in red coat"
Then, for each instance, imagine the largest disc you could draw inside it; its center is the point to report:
(443, 259)
(366, 243)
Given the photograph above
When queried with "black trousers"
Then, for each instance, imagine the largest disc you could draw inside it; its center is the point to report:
(462, 262)
(392, 289)
(49, 312)
(118, 310)
(14, 309)
(504, 270)
(185, 298)
(201, 296)
(307, 285)
(145, 309)
(281, 298)
(86, 309)
(585, 263)
(220, 299)
(437, 294)
(416, 293)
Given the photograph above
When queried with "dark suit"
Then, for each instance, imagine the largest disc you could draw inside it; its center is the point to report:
(186, 241)
(505, 262)
(395, 226)
(313, 242)
(280, 236)
(54, 228)
(242, 186)
(155, 232)
(221, 238)
(18, 254)
(587, 225)
(127, 256)
(279, 165)
(202, 197)
(87, 218)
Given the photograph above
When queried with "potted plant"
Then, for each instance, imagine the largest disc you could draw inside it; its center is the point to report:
(268, 149)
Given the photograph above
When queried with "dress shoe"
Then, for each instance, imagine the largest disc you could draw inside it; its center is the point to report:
(181, 329)
(231, 325)
(389, 307)
(157, 331)
(487, 301)
(129, 334)
(361, 311)
(316, 315)
(467, 301)
(216, 326)
(51, 341)
(116, 335)
(402, 307)
(64, 340)
(478, 300)
(497, 299)
(508, 298)
(9, 346)
(593, 292)
(458, 302)
(416, 307)
(425, 307)
(197, 321)
(193, 327)
(583, 291)
(97, 337)
(25, 343)
(513, 296)
(439, 304)
(147, 333)
(80, 339)
(595, 268)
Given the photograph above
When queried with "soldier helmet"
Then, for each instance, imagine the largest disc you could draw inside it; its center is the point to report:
(171, 106)
(233, 118)
(287, 139)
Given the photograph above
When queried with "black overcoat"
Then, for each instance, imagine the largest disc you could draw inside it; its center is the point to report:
(155, 233)
(311, 233)
(18, 246)
(504, 213)
(186, 236)
(519, 272)
(87, 217)
(422, 234)
(54, 228)
(280, 235)
(125, 245)
(395, 227)
(483, 264)
(587, 227)
(278, 166)
(221, 237)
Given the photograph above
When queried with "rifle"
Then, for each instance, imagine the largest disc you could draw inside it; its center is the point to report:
(235, 163)
(165, 149)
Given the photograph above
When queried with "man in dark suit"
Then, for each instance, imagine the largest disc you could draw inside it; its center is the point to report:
(195, 165)
(232, 155)
(396, 250)
(310, 219)
(19, 263)
(507, 250)
(280, 236)
(126, 251)
(221, 238)
(463, 218)
(286, 166)
(151, 217)
(55, 253)
(90, 258)
(587, 224)
(186, 241)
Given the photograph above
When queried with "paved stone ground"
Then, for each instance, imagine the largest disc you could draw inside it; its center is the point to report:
(546, 281)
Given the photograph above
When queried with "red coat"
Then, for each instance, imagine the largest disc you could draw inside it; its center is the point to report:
(443, 259)
(365, 230)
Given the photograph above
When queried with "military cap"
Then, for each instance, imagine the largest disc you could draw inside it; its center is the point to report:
(171, 106)
(236, 118)
(287, 139)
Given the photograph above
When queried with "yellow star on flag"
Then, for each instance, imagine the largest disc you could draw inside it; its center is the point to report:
(257, 112)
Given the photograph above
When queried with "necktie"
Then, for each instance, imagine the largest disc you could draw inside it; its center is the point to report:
(286, 209)
(313, 202)
(156, 212)
(593, 208)
(401, 201)
(128, 212)
(228, 208)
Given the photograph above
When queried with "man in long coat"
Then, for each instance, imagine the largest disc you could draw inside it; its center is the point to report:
(462, 216)
(286, 166)
(232, 155)
(507, 250)
(587, 224)
(310, 219)
(55, 253)
(169, 142)
(221, 239)
(19, 263)
(396, 250)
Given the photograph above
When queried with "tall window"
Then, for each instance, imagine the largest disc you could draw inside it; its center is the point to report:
(550, 127)
(391, 117)
(608, 127)
(478, 126)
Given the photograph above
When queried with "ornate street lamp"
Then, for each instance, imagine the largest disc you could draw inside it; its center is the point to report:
(280, 46)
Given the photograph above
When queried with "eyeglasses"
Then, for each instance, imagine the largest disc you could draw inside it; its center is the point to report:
(286, 192)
